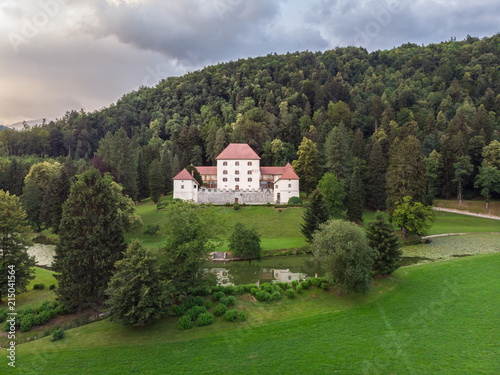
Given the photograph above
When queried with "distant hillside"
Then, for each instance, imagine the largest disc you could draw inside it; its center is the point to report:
(447, 94)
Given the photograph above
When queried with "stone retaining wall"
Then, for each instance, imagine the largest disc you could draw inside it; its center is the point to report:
(217, 196)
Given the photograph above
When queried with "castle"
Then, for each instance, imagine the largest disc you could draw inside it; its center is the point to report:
(238, 178)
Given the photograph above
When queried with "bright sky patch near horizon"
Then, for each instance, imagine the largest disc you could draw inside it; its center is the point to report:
(61, 55)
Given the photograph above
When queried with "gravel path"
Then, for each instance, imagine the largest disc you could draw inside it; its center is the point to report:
(466, 213)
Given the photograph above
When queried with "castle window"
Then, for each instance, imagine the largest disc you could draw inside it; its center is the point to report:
(237, 163)
(194, 186)
(275, 186)
(249, 172)
(224, 163)
(224, 172)
(249, 163)
(249, 179)
(224, 179)
(289, 185)
(182, 186)
(236, 179)
(236, 172)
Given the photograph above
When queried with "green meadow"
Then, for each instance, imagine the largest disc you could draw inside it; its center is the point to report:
(438, 317)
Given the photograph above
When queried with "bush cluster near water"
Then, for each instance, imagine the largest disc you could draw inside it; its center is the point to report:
(28, 317)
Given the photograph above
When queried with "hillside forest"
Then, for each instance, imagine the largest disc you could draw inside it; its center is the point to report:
(420, 121)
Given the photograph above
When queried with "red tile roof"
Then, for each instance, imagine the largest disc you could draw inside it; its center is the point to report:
(241, 151)
(289, 174)
(272, 170)
(207, 170)
(184, 175)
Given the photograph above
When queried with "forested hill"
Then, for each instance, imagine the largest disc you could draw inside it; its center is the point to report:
(446, 94)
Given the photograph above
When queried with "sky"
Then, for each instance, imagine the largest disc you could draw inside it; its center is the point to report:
(61, 55)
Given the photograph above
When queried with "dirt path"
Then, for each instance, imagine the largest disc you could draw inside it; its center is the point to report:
(455, 234)
(466, 213)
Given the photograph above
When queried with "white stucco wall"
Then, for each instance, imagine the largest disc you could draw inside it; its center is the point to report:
(286, 189)
(241, 166)
(186, 190)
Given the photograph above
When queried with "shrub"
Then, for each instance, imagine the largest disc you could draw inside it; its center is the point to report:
(230, 301)
(200, 291)
(236, 206)
(58, 334)
(195, 311)
(316, 281)
(208, 304)
(52, 286)
(295, 283)
(240, 289)
(39, 286)
(220, 309)
(254, 291)
(3, 315)
(248, 287)
(283, 286)
(231, 315)
(42, 317)
(223, 300)
(268, 204)
(290, 293)
(189, 302)
(205, 319)
(299, 288)
(306, 283)
(199, 301)
(184, 323)
(324, 286)
(26, 322)
(178, 310)
(264, 296)
(218, 295)
(230, 290)
(276, 296)
(218, 288)
(227, 204)
(242, 316)
(267, 287)
(295, 201)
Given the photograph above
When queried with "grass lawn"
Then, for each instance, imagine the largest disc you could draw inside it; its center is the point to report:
(35, 297)
(435, 318)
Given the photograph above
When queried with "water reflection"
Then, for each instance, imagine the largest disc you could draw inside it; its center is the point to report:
(284, 269)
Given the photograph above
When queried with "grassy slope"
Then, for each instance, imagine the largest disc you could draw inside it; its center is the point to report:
(280, 228)
(439, 318)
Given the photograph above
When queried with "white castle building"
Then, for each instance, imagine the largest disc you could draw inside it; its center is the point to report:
(238, 178)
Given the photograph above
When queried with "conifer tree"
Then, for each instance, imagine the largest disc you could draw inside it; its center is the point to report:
(15, 178)
(355, 199)
(358, 145)
(338, 154)
(90, 241)
(432, 168)
(316, 214)
(14, 255)
(142, 177)
(32, 201)
(308, 166)
(386, 244)
(166, 169)
(155, 179)
(137, 293)
(55, 196)
(406, 175)
(377, 169)
(194, 172)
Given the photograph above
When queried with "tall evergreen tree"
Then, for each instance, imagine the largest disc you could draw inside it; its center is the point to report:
(54, 198)
(355, 199)
(14, 257)
(463, 168)
(432, 168)
(308, 166)
(90, 242)
(166, 169)
(386, 244)
(194, 172)
(32, 201)
(338, 154)
(377, 170)
(358, 145)
(316, 214)
(137, 293)
(406, 175)
(155, 179)
(142, 177)
(15, 178)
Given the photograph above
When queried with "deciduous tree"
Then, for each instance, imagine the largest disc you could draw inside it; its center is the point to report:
(245, 242)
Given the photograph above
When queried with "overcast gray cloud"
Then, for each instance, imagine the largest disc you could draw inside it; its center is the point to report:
(58, 55)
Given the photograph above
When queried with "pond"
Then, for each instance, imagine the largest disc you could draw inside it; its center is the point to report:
(280, 268)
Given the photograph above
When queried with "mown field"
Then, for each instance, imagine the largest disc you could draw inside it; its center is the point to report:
(280, 228)
(476, 206)
(435, 318)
